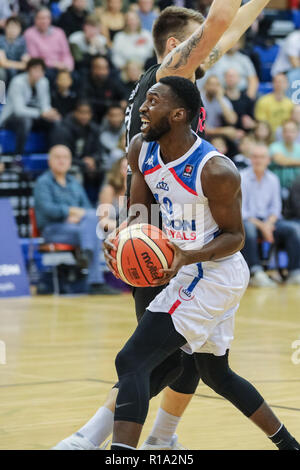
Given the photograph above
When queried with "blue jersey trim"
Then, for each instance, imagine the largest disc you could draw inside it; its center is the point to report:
(187, 171)
(197, 278)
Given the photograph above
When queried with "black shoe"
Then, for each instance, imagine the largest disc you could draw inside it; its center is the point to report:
(83, 258)
(103, 289)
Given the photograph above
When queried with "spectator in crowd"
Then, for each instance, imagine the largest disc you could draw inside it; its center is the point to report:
(110, 132)
(234, 59)
(286, 155)
(49, 43)
(162, 4)
(133, 43)
(87, 43)
(64, 215)
(220, 143)
(28, 103)
(110, 195)
(295, 116)
(242, 104)
(63, 95)
(293, 203)
(261, 209)
(130, 75)
(242, 159)
(101, 88)
(220, 116)
(288, 57)
(7, 10)
(13, 53)
(262, 133)
(112, 18)
(275, 107)
(73, 18)
(146, 13)
(80, 134)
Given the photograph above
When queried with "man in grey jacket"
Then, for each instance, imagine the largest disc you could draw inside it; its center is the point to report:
(28, 103)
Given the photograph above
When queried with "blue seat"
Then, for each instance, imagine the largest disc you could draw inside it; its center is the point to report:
(267, 56)
(36, 142)
(265, 88)
(35, 162)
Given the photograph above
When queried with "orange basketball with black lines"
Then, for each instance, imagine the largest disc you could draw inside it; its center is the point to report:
(142, 251)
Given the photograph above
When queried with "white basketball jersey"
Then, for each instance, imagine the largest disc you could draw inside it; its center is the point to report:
(176, 186)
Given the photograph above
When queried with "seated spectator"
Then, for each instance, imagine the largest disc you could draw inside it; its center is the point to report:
(242, 159)
(80, 134)
(234, 59)
(295, 116)
(139, 43)
(147, 14)
(261, 210)
(286, 155)
(131, 73)
(288, 57)
(49, 43)
(110, 132)
(13, 53)
(87, 43)
(275, 107)
(28, 103)
(73, 18)
(162, 4)
(101, 88)
(220, 116)
(293, 203)
(64, 215)
(112, 18)
(110, 195)
(263, 133)
(63, 96)
(242, 104)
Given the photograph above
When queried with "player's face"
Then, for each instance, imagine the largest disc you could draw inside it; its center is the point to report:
(155, 113)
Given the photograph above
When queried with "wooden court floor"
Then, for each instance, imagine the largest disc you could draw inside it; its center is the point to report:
(60, 365)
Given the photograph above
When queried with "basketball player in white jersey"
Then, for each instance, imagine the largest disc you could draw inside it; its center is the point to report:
(168, 35)
(199, 194)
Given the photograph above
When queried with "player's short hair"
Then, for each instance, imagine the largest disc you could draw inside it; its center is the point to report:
(173, 21)
(186, 94)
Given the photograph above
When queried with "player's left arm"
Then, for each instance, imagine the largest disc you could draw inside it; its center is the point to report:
(244, 18)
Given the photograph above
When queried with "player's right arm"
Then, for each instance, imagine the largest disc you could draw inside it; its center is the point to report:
(140, 201)
(141, 197)
(186, 58)
(244, 18)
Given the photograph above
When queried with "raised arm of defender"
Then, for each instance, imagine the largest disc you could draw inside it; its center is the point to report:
(244, 18)
(186, 58)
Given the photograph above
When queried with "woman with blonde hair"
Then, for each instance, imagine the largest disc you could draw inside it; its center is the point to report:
(132, 44)
(111, 17)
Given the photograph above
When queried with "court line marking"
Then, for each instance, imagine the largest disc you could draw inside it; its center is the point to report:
(199, 395)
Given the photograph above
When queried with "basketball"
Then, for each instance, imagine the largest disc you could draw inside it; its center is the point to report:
(142, 251)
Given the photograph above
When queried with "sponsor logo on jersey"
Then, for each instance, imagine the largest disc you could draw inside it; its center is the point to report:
(150, 161)
(188, 171)
(162, 185)
(179, 224)
(185, 294)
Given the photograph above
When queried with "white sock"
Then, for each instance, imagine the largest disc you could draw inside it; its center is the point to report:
(99, 427)
(164, 426)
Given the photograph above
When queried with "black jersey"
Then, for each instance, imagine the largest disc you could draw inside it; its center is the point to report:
(137, 98)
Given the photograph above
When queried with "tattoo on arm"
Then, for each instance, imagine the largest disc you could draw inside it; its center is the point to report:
(184, 51)
(213, 57)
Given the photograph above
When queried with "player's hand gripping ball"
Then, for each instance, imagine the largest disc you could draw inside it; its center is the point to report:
(138, 254)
